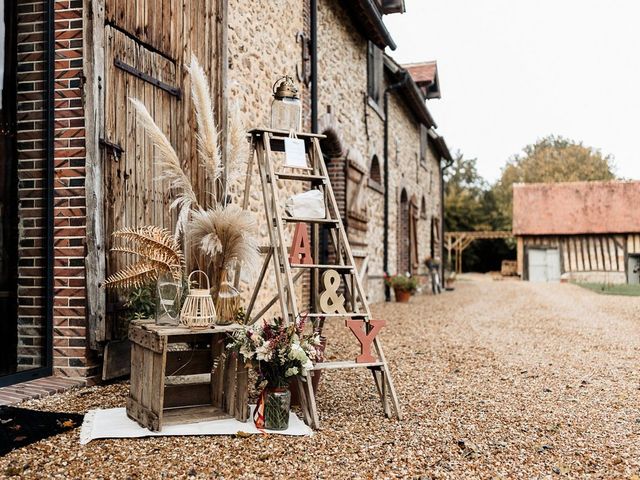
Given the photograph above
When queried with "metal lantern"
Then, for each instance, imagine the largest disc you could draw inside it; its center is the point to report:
(198, 310)
(286, 107)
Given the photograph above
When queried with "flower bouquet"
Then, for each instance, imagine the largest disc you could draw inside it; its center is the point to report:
(277, 351)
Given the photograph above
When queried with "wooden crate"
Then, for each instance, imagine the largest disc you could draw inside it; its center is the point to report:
(180, 376)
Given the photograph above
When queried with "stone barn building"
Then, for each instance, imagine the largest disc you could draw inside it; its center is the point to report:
(75, 165)
(578, 231)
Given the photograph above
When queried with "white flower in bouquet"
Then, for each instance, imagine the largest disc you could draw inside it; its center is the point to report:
(297, 353)
(245, 351)
(291, 372)
(264, 352)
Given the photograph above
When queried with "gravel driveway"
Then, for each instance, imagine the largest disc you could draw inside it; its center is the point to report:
(498, 379)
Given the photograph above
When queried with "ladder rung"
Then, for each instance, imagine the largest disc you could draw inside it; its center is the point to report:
(311, 220)
(300, 176)
(324, 267)
(344, 315)
(347, 364)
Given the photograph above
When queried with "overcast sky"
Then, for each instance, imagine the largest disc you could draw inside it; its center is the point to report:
(512, 71)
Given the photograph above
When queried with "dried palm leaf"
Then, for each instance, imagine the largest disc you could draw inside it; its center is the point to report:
(169, 164)
(207, 136)
(133, 276)
(157, 249)
(161, 261)
(227, 235)
(151, 242)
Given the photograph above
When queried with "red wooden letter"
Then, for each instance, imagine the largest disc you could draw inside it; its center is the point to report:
(365, 339)
(300, 251)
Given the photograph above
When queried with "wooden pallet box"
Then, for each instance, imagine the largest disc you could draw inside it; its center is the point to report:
(181, 376)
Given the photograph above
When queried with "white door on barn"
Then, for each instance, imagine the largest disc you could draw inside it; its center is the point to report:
(633, 270)
(544, 265)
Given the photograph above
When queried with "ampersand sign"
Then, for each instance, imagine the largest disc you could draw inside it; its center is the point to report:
(330, 301)
(300, 252)
(365, 338)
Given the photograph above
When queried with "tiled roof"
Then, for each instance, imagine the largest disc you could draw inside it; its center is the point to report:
(424, 72)
(576, 208)
(410, 91)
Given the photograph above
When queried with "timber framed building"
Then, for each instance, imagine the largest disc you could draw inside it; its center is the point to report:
(578, 231)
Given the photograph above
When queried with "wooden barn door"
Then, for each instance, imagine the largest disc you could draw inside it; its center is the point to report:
(147, 46)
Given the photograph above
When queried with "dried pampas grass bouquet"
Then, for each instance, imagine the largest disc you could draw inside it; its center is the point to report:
(228, 302)
(227, 236)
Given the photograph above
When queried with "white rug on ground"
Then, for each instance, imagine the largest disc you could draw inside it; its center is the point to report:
(114, 423)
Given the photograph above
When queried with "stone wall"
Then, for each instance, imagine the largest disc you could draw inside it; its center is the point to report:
(262, 48)
(347, 112)
(258, 56)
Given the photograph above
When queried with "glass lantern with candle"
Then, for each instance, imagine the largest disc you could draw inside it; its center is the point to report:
(286, 107)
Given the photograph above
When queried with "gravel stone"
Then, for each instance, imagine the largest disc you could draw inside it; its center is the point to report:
(497, 379)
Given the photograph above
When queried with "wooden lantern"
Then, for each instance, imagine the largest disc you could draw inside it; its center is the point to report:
(198, 310)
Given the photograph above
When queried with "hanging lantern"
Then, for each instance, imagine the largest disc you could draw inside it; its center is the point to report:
(198, 310)
(286, 107)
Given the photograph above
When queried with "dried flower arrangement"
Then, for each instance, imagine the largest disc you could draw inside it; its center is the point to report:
(224, 233)
(277, 351)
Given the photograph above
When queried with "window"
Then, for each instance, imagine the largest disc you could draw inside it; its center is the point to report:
(374, 73)
(424, 145)
(375, 176)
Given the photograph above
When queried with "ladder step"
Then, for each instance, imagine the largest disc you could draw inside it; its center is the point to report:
(343, 315)
(330, 221)
(322, 267)
(300, 176)
(347, 364)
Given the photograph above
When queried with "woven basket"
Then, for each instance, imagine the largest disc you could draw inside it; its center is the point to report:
(198, 310)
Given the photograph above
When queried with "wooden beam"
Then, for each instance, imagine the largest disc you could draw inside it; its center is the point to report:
(93, 90)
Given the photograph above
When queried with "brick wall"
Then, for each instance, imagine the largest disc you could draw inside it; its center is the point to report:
(72, 357)
(30, 141)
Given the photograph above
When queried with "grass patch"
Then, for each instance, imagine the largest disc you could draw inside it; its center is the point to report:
(612, 289)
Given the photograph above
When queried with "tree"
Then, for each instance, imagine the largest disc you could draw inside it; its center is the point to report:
(550, 159)
(470, 205)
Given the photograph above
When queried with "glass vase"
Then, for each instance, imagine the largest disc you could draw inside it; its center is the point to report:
(277, 404)
(168, 300)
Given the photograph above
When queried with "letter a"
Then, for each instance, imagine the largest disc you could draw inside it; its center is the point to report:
(300, 251)
(365, 339)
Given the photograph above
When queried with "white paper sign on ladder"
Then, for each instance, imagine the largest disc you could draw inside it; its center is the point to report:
(294, 156)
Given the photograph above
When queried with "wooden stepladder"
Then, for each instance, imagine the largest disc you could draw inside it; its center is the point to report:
(350, 302)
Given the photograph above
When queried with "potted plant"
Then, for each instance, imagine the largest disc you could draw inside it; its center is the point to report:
(449, 279)
(277, 351)
(403, 286)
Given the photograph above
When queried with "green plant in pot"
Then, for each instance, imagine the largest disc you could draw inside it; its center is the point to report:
(278, 351)
(403, 286)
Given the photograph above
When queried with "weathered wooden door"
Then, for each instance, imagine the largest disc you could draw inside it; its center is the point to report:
(147, 46)
(414, 213)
